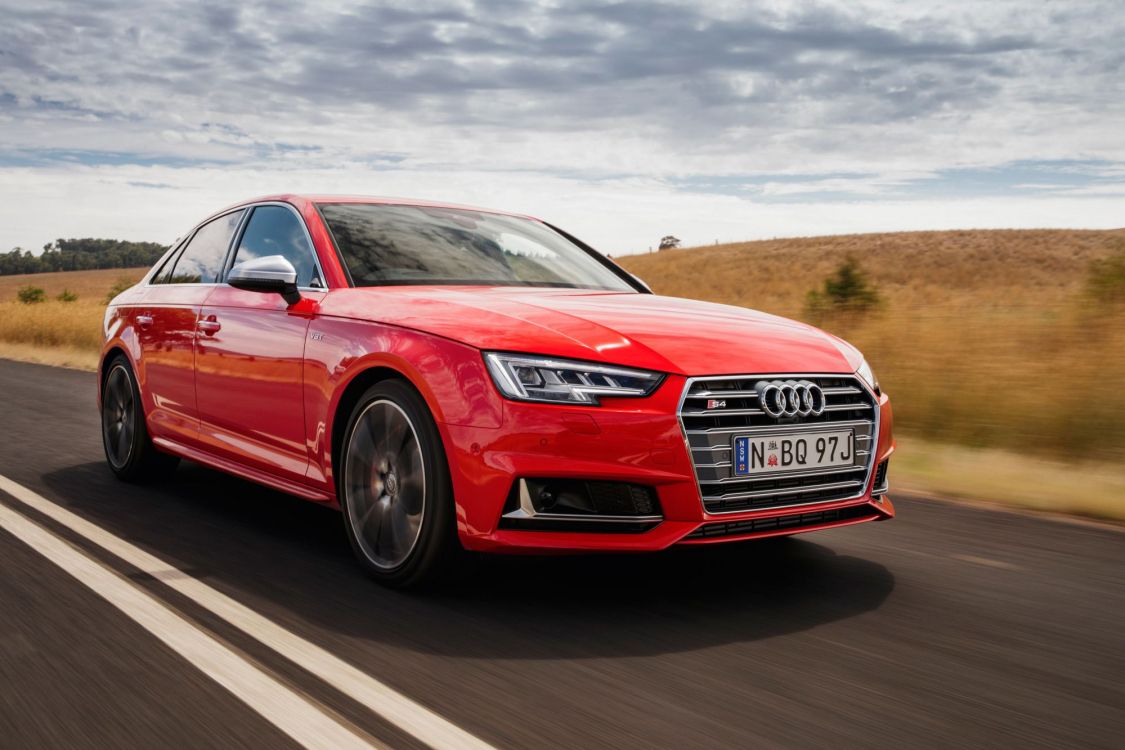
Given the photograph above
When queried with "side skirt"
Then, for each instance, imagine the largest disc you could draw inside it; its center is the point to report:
(245, 472)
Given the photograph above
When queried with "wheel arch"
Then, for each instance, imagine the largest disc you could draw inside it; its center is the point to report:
(449, 377)
(120, 339)
(109, 354)
(350, 396)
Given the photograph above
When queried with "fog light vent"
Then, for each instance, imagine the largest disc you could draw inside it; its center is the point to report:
(581, 505)
(881, 484)
(621, 498)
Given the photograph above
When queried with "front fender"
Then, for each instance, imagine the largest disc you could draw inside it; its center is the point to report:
(451, 377)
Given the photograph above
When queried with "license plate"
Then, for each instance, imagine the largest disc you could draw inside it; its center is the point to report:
(807, 450)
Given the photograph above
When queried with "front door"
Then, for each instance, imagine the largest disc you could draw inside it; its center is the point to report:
(249, 354)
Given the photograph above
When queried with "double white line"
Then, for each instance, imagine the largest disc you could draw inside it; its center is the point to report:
(305, 721)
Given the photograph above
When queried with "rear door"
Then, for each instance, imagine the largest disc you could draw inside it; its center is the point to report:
(250, 349)
(166, 320)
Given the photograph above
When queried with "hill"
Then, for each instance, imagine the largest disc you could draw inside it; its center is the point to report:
(915, 269)
(88, 285)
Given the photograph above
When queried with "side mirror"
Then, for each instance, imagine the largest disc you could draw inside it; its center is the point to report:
(269, 274)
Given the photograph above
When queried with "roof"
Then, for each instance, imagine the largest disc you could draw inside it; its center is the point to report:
(300, 198)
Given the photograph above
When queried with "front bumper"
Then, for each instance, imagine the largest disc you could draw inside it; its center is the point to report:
(626, 440)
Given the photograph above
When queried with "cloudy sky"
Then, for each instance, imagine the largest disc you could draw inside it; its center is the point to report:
(622, 121)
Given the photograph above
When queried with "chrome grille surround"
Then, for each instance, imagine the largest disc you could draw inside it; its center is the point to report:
(709, 434)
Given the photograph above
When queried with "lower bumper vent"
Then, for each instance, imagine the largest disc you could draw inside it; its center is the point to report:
(794, 521)
(581, 505)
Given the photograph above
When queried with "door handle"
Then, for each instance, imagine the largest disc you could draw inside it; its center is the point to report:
(210, 326)
(144, 321)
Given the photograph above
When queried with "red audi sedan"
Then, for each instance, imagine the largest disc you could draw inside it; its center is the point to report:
(459, 379)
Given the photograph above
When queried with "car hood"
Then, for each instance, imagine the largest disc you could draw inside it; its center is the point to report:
(668, 334)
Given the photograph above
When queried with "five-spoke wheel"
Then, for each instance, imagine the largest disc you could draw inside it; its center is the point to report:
(128, 449)
(118, 408)
(385, 484)
(394, 487)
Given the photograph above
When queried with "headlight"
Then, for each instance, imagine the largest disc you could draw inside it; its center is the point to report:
(868, 376)
(526, 377)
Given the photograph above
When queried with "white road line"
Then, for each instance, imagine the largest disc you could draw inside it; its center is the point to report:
(413, 718)
(986, 561)
(293, 714)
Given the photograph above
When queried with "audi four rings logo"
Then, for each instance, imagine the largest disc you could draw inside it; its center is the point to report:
(790, 398)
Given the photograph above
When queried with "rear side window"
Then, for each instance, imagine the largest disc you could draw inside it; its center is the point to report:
(201, 260)
(164, 275)
(275, 230)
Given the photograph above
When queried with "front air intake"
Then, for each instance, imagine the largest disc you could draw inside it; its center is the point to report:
(581, 505)
(793, 522)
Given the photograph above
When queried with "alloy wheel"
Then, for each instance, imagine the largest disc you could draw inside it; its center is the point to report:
(385, 484)
(118, 416)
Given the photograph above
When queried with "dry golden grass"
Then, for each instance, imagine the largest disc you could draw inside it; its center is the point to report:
(56, 356)
(90, 286)
(53, 332)
(75, 325)
(984, 338)
(1092, 489)
(920, 270)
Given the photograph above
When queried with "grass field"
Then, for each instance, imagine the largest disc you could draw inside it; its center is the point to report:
(1008, 380)
(54, 332)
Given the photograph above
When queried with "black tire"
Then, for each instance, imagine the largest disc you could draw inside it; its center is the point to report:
(128, 449)
(394, 489)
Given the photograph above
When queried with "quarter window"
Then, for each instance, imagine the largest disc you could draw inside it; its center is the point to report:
(276, 230)
(201, 261)
(164, 275)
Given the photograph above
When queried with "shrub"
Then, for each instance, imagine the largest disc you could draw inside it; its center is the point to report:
(30, 295)
(1105, 281)
(118, 287)
(846, 290)
(67, 296)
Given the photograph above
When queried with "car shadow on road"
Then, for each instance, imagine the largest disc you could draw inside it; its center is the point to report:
(289, 559)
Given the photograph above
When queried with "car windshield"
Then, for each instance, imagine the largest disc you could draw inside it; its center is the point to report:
(385, 245)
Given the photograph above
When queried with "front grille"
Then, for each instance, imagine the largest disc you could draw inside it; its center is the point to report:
(710, 434)
(794, 521)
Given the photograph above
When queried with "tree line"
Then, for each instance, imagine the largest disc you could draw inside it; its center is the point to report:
(81, 255)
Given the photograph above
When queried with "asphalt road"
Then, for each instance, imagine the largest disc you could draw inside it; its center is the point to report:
(947, 626)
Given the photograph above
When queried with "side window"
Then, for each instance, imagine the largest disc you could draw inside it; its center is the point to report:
(201, 261)
(275, 230)
(164, 275)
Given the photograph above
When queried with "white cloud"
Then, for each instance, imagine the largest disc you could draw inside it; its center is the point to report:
(616, 216)
(621, 120)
